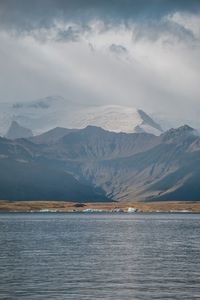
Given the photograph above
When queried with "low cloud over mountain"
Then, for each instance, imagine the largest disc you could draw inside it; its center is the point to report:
(55, 111)
(142, 54)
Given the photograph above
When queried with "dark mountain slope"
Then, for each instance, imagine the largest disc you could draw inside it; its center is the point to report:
(148, 120)
(51, 136)
(22, 178)
(30, 181)
(183, 184)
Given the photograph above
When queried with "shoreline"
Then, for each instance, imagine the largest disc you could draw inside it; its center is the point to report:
(108, 207)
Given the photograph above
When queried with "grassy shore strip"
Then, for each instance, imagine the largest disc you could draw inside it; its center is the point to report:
(34, 206)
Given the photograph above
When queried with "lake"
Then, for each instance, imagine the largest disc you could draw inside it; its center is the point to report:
(99, 256)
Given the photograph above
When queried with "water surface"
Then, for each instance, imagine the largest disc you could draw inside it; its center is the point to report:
(99, 256)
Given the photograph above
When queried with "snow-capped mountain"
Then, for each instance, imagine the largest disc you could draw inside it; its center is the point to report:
(117, 119)
(50, 112)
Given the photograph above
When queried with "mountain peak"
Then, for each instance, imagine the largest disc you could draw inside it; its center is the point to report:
(185, 129)
(17, 131)
(178, 133)
(93, 128)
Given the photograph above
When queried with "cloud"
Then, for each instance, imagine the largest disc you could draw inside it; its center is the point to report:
(25, 16)
(70, 48)
(170, 29)
(118, 49)
(69, 35)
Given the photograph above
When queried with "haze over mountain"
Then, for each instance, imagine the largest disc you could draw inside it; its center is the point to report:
(55, 111)
(101, 165)
(126, 72)
(138, 54)
(16, 131)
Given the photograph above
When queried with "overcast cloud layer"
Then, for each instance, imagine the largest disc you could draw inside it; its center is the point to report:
(137, 53)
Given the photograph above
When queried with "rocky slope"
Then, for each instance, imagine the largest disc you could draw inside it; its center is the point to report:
(23, 177)
(123, 167)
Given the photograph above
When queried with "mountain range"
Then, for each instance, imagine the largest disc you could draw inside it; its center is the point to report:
(54, 111)
(94, 164)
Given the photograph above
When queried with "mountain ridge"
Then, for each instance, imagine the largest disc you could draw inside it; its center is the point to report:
(123, 166)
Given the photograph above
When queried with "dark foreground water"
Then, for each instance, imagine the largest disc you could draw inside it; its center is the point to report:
(99, 256)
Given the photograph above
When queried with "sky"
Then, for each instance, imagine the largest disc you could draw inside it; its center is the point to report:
(141, 53)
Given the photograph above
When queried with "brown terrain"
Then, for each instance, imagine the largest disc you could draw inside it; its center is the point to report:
(34, 206)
